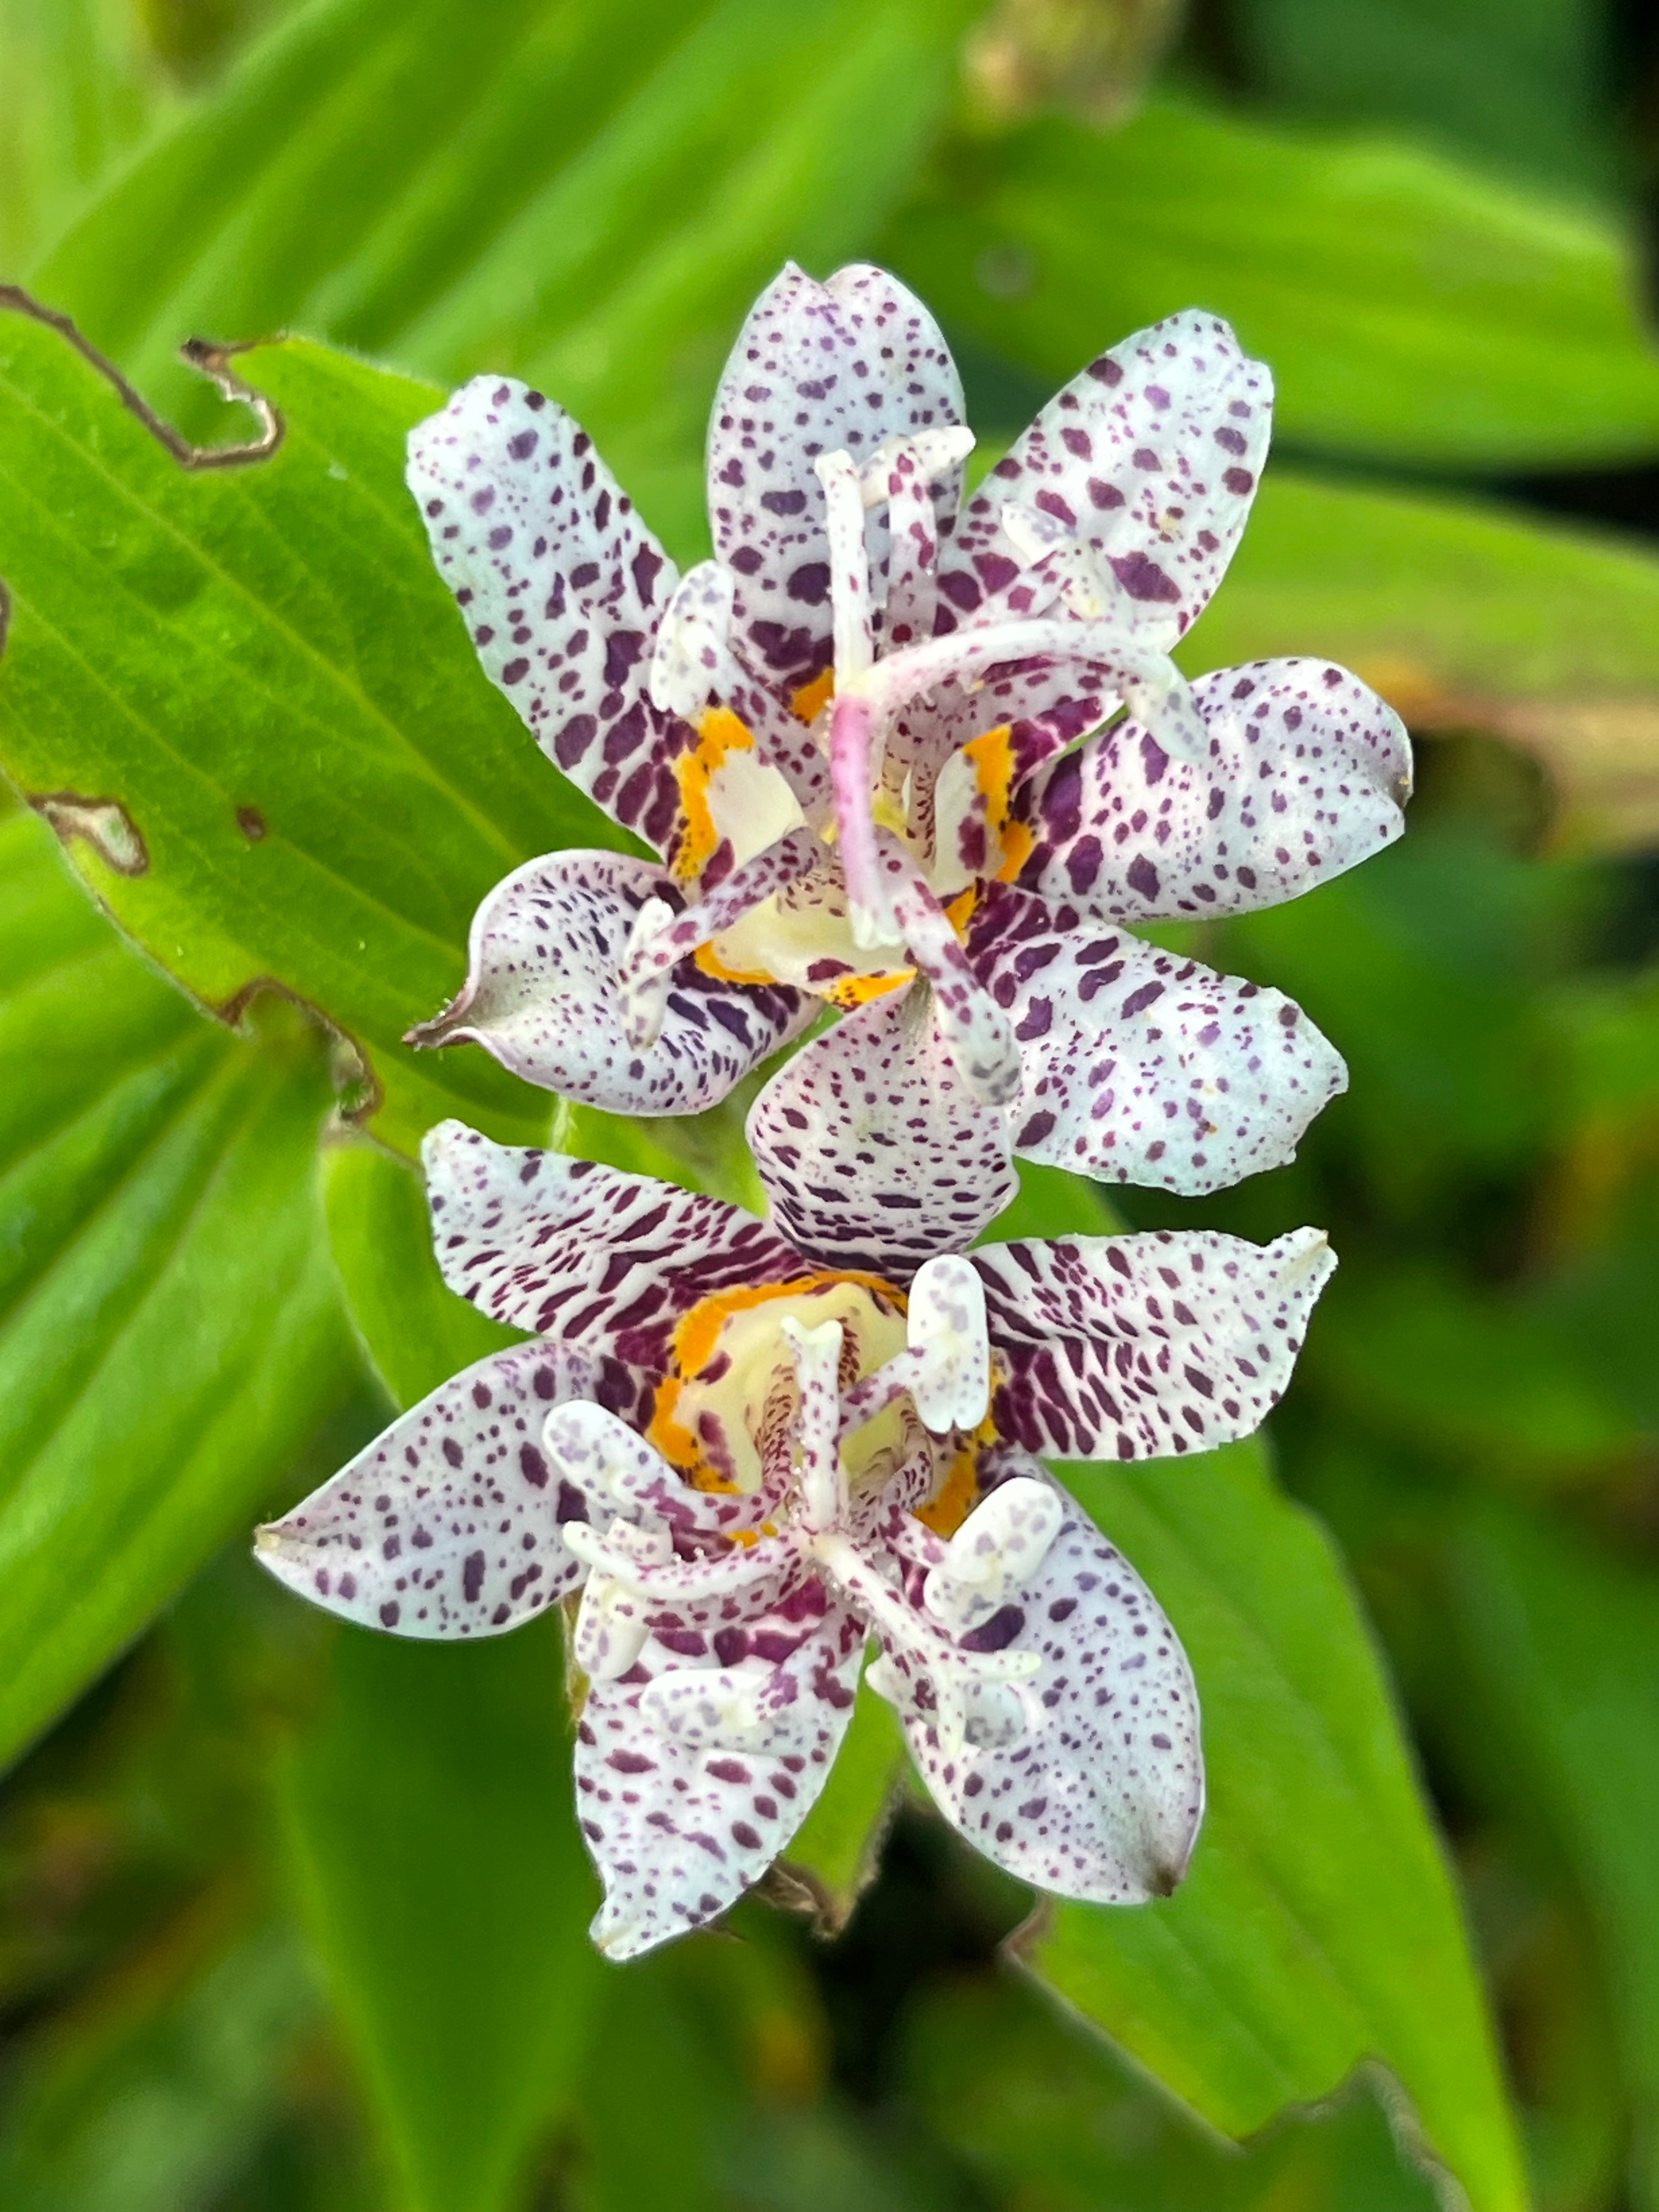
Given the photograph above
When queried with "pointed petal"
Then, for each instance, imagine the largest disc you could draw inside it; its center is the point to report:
(1136, 1347)
(543, 994)
(1306, 774)
(1140, 1066)
(816, 369)
(448, 1524)
(1151, 456)
(686, 1803)
(1100, 1793)
(873, 1152)
(581, 1253)
(562, 587)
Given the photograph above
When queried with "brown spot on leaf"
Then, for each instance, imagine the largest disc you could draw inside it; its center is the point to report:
(103, 824)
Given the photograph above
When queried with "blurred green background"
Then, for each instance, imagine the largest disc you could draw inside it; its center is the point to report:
(234, 1870)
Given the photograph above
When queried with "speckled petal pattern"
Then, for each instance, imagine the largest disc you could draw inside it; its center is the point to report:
(562, 587)
(543, 994)
(448, 1524)
(1140, 1066)
(1137, 1347)
(584, 1253)
(818, 368)
(686, 1803)
(1306, 774)
(1099, 1795)
(1151, 457)
(873, 1151)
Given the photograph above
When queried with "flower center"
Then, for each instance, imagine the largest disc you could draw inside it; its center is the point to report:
(723, 1414)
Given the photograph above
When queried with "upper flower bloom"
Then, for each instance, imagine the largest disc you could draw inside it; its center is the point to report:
(852, 738)
(753, 1465)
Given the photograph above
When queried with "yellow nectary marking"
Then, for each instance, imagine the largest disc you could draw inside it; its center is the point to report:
(959, 911)
(956, 1498)
(993, 756)
(711, 964)
(811, 700)
(695, 1341)
(720, 732)
(1017, 843)
(958, 1494)
(850, 992)
(697, 1334)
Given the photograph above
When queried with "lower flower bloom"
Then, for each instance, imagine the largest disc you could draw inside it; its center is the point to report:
(751, 1468)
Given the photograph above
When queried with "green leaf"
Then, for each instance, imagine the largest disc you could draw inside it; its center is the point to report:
(1560, 1639)
(431, 1809)
(259, 668)
(588, 196)
(415, 1330)
(1467, 617)
(170, 1329)
(81, 89)
(1318, 1926)
(1409, 309)
(1523, 82)
(1054, 2119)
(437, 1867)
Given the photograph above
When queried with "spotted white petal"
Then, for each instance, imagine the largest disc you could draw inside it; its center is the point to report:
(1149, 458)
(873, 1152)
(1087, 1779)
(1139, 1065)
(1303, 775)
(818, 368)
(584, 1253)
(1137, 1347)
(449, 1524)
(542, 993)
(562, 588)
(690, 1780)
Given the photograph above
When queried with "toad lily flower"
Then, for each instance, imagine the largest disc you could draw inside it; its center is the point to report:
(749, 1466)
(852, 737)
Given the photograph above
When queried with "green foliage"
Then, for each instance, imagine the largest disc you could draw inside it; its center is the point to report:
(439, 1872)
(416, 1332)
(433, 1840)
(1410, 310)
(260, 667)
(1317, 1926)
(1520, 83)
(588, 196)
(1561, 1641)
(257, 724)
(1059, 2120)
(156, 1182)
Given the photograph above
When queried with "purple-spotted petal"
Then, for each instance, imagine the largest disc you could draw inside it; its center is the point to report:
(583, 1253)
(873, 1151)
(1139, 1065)
(1306, 774)
(448, 1524)
(1136, 1347)
(562, 587)
(1100, 1793)
(543, 996)
(692, 1779)
(1151, 457)
(818, 368)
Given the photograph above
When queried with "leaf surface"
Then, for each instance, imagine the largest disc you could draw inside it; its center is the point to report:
(1412, 309)
(171, 1335)
(1318, 1926)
